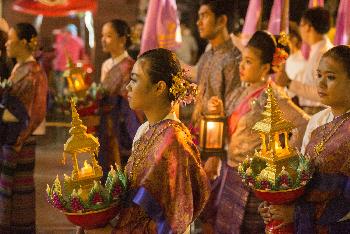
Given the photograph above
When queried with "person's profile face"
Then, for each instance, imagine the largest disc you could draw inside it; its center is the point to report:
(206, 23)
(251, 69)
(333, 83)
(110, 40)
(13, 44)
(139, 89)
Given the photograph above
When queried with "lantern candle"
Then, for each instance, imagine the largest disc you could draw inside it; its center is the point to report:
(87, 169)
(214, 135)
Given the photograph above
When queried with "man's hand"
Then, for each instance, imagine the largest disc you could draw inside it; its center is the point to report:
(215, 106)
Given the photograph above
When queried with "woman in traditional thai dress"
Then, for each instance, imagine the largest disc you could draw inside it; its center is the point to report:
(168, 186)
(325, 207)
(22, 109)
(233, 207)
(118, 123)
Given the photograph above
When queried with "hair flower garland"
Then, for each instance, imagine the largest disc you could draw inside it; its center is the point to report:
(279, 57)
(184, 91)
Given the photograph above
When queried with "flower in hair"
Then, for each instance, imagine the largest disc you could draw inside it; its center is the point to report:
(279, 57)
(183, 91)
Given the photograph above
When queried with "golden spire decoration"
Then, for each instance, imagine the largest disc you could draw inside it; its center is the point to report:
(275, 149)
(81, 142)
(273, 120)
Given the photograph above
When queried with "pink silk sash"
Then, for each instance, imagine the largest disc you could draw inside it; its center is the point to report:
(242, 109)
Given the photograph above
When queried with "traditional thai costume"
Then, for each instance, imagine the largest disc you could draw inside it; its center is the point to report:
(23, 108)
(325, 207)
(234, 207)
(217, 75)
(118, 123)
(168, 186)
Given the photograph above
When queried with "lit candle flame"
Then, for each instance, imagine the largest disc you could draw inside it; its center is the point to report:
(87, 169)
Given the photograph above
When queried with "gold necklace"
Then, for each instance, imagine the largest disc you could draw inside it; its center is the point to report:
(319, 147)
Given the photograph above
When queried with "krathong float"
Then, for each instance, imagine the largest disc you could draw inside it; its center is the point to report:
(82, 198)
(276, 173)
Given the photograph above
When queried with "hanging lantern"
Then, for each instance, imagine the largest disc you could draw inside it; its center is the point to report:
(54, 7)
(212, 136)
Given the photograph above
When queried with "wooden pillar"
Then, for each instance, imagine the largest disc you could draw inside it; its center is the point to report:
(285, 17)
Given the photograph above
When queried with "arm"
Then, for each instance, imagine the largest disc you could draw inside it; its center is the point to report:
(231, 83)
(304, 90)
(295, 85)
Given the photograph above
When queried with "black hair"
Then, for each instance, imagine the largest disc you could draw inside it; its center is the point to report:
(25, 31)
(341, 54)
(221, 7)
(162, 65)
(318, 18)
(122, 29)
(266, 44)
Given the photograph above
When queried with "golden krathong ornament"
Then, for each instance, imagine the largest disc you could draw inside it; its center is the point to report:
(82, 198)
(277, 173)
(81, 142)
(272, 128)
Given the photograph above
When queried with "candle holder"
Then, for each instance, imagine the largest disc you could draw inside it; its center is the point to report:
(83, 199)
(277, 173)
(212, 136)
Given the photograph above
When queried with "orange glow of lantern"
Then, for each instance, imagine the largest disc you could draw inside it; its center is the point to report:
(212, 136)
(75, 76)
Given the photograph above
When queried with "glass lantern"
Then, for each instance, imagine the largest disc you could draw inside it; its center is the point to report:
(212, 136)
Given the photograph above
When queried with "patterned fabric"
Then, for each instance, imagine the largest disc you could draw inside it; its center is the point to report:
(17, 192)
(327, 199)
(118, 77)
(30, 88)
(26, 100)
(245, 211)
(218, 75)
(110, 63)
(118, 123)
(167, 182)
